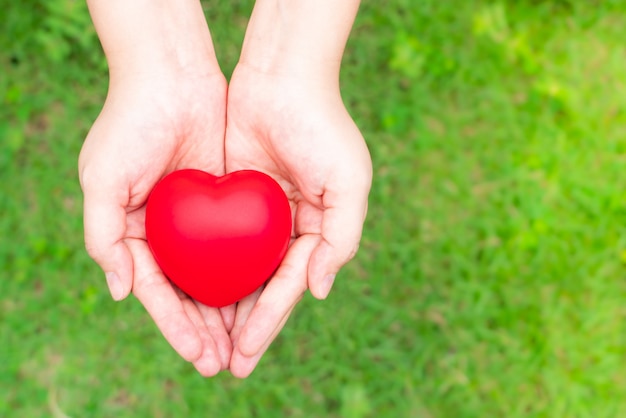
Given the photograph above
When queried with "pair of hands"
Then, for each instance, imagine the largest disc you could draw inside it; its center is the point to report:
(297, 131)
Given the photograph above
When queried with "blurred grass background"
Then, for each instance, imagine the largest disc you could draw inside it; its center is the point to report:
(490, 281)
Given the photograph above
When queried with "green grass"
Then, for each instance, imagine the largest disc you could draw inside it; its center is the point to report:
(490, 281)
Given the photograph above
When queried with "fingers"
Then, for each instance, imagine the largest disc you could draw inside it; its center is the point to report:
(244, 308)
(228, 316)
(342, 225)
(241, 366)
(195, 331)
(208, 362)
(257, 324)
(156, 294)
(105, 227)
(218, 346)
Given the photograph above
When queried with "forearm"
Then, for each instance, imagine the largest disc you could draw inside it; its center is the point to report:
(150, 36)
(299, 37)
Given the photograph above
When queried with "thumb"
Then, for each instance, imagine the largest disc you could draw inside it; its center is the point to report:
(105, 228)
(342, 225)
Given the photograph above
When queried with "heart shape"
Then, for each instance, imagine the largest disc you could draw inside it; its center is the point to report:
(218, 238)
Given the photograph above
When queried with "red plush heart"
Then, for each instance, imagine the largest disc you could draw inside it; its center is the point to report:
(218, 238)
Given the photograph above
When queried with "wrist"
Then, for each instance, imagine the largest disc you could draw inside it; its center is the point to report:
(144, 38)
(304, 39)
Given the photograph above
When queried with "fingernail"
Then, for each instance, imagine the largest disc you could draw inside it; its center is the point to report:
(115, 286)
(327, 284)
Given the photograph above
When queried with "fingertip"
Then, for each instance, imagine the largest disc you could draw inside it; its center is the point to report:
(251, 340)
(326, 261)
(116, 287)
(187, 344)
(323, 287)
(118, 268)
(242, 366)
(208, 365)
(321, 272)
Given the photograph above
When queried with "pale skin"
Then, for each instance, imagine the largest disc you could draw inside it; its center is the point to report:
(166, 110)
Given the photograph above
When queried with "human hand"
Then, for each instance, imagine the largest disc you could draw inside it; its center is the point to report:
(165, 110)
(298, 131)
(152, 124)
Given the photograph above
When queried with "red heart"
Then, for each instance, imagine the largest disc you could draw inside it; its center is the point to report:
(218, 238)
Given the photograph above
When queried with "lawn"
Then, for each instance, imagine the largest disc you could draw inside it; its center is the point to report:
(491, 276)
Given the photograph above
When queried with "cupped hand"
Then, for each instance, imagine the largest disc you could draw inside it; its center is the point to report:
(298, 131)
(150, 125)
